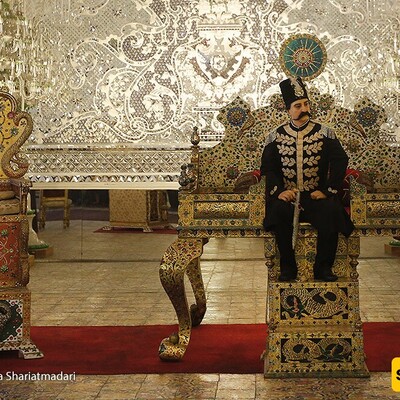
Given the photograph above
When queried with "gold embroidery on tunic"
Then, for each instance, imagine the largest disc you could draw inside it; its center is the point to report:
(289, 184)
(311, 184)
(313, 148)
(289, 150)
(289, 173)
(312, 160)
(287, 161)
(293, 146)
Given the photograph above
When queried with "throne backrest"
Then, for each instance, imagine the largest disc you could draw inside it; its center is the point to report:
(216, 169)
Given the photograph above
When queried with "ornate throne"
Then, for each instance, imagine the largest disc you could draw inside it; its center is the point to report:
(15, 299)
(219, 197)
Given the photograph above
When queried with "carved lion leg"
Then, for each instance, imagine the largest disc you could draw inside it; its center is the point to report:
(197, 310)
(175, 262)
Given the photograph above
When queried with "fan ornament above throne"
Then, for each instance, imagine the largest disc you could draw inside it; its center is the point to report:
(303, 56)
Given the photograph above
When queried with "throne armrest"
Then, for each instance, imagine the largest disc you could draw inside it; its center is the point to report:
(223, 210)
(374, 210)
(246, 180)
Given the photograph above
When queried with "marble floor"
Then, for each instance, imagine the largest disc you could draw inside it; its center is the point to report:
(112, 279)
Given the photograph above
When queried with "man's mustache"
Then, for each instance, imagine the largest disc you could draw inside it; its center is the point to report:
(303, 114)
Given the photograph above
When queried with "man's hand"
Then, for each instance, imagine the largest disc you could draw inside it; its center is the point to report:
(317, 195)
(288, 195)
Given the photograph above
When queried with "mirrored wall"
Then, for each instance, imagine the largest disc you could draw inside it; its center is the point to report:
(117, 86)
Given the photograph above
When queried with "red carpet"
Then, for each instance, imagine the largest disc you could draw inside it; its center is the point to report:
(236, 349)
(122, 229)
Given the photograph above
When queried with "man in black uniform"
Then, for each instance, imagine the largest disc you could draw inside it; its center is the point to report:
(304, 156)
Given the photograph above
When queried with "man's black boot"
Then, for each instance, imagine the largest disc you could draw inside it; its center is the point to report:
(287, 275)
(324, 274)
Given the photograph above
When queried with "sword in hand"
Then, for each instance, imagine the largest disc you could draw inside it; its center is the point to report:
(296, 217)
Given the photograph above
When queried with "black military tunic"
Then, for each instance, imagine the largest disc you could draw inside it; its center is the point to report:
(308, 158)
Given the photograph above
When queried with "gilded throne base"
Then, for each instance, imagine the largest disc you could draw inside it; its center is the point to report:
(315, 328)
